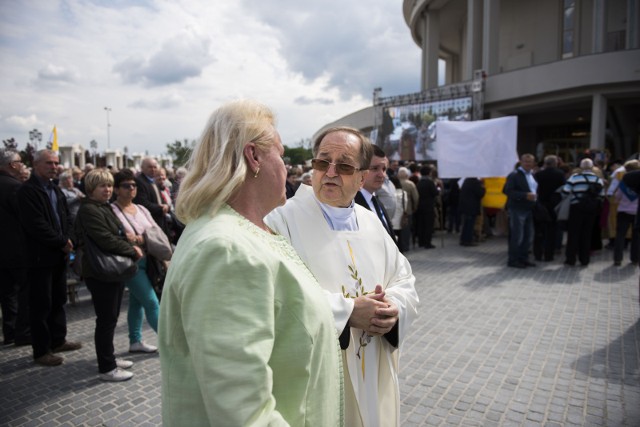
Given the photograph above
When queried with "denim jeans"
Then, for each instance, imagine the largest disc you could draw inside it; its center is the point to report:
(142, 301)
(520, 234)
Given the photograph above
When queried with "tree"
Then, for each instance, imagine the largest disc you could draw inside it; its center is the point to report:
(180, 151)
(297, 155)
(10, 144)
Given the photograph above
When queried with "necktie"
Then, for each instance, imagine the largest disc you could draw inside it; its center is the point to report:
(379, 212)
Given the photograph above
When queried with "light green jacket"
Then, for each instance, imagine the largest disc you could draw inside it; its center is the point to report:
(246, 334)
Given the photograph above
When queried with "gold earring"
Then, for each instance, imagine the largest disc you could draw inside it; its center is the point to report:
(257, 171)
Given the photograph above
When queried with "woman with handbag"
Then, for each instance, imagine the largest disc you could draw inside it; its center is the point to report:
(143, 301)
(100, 230)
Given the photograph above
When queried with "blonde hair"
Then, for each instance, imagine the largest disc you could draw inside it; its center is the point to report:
(95, 178)
(217, 168)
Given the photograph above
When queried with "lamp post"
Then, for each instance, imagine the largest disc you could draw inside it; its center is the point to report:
(107, 109)
(35, 135)
(94, 146)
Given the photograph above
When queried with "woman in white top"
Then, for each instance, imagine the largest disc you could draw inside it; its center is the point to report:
(402, 203)
(143, 300)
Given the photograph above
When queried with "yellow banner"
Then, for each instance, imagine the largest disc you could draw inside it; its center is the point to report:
(494, 198)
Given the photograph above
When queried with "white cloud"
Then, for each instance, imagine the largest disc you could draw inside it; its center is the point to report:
(163, 67)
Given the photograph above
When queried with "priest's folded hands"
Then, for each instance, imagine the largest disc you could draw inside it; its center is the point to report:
(374, 313)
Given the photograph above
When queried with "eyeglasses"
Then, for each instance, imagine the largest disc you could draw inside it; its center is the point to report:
(341, 168)
(128, 186)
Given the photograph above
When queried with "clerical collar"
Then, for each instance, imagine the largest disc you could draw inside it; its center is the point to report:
(339, 219)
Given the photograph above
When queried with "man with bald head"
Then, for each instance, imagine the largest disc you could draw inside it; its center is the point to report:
(367, 280)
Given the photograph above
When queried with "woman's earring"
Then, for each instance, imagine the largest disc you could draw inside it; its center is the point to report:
(257, 171)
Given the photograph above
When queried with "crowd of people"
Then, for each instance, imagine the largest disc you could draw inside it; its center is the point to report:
(48, 214)
(289, 296)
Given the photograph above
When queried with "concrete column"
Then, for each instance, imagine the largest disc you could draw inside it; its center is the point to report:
(473, 42)
(490, 37)
(598, 121)
(66, 156)
(430, 49)
(633, 24)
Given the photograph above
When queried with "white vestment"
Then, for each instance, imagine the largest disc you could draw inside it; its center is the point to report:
(346, 264)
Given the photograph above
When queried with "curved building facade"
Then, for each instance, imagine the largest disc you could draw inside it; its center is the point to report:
(569, 69)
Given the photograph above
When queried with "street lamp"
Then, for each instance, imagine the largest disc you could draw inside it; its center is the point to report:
(107, 109)
(35, 135)
(94, 146)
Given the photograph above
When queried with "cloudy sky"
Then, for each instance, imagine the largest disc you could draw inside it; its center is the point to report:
(162, 67)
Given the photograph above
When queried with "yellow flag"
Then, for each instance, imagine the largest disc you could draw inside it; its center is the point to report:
(54, 139)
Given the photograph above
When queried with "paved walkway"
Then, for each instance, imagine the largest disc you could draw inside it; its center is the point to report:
(550, 345)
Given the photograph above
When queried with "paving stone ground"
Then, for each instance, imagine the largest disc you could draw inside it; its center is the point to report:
(492, 346)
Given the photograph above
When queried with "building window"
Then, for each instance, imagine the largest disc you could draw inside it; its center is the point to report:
(568, 28)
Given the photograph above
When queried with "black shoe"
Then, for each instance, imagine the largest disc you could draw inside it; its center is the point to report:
(516, 264)
(468, 244)
(528, 264)
(548, 259)
(429, 246)
(617, 263)
(570, 264)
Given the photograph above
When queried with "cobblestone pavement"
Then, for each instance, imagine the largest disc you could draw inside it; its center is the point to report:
(550, 345)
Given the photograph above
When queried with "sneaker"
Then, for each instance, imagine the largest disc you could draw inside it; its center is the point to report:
(68, 346)
(49, 360)
(141, 347)
(116, 375)
(124, 364)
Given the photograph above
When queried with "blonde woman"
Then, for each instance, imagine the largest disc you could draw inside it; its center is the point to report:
(246, 335)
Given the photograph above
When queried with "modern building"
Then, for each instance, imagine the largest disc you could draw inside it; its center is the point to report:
(568, 69)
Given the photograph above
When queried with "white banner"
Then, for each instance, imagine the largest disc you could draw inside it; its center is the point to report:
(482, 148)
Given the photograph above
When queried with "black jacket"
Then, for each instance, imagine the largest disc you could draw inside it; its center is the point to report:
(428, 192)
(359, 199)
(516, 189)
(146, 196)
(549, 180)
(98, 222)
(471, 194)
(46, 238)
(13, 250)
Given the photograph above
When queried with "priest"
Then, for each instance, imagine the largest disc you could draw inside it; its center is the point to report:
(369, 283)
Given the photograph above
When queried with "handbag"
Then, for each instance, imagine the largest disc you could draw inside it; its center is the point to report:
(562, 208)
(404, 220)
(157, 272)
(156, 241)
(106, 266)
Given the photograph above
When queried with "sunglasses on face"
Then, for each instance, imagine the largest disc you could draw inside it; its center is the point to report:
(341, 168)
(128, 186)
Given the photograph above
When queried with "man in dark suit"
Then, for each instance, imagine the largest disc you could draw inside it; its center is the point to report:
(549, 179)
(14, 290)
(148, 193)
(373, 181)
(425, 216)
(469, 207)
(46, 222)
(520, 189)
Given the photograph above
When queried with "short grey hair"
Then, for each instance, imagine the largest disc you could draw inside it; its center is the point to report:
(586, 164)
(7, 156)
(403, 173)
(551, 161)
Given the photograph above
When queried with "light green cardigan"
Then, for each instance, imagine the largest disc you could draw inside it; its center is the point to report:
(246, 334)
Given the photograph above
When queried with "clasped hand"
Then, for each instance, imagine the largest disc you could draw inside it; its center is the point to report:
(374, 313)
